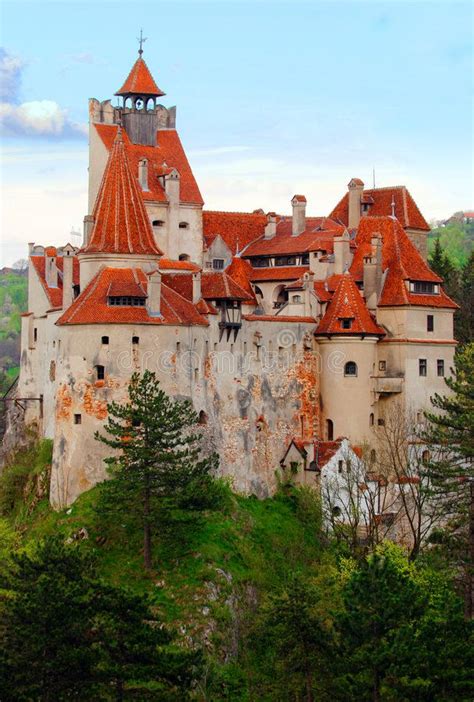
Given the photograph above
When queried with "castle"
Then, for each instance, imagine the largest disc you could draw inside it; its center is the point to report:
(285, 332)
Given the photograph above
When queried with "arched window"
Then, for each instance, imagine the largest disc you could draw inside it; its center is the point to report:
(373, 456)
(336, 511)
(183, 225)
(425, 456)
(258, 291)
(202, 417)
(150, 105)
(157, 223)
(184, 257)
(350, 368)
(330, 429)
(280, 296)
(371, 419)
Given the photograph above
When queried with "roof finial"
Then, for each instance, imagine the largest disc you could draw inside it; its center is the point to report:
(141, 40)
(393, 206)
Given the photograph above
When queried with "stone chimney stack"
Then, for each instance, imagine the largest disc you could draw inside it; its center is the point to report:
(51, 268)
(373, 273)
(196, 287)
(172, 189)
(271, 226)
(356, 188)
(153, 303)
(143, 174)
(298, 203)
(89, 222)
(342, 253)
(68, 261)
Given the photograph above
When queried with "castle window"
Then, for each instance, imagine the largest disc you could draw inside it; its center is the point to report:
(382, 365)
(183, 225)
(422, 367)
(350, 368)
(304, 259)
(423, 288)
(183, 257)
(158, 223)
(35, 334)
(336, 511)
(371, 419)
(285, 261)
(105, 340)
(260, 262)
(373, 456)
(425, 456)
(76, 289)
(340, 466)
(430, 323)
(126, 301)
(296, 298)
(218, 264)
(381, 422)
(440, 367)
(258, 291)
(135, 340)
(202, 417)
(329, 429)
(346, 323)
(100, 372)
(77, 419)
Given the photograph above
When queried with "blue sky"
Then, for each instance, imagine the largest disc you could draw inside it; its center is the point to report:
(273, 98)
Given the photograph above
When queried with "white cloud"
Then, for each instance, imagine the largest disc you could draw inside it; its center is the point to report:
(38, 118)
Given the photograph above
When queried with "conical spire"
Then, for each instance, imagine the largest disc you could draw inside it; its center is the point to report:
(140, 82)
(121, 222)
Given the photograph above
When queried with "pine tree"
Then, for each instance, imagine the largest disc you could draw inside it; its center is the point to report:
(159, 456)
(450, 471)
(45, 644)
(466, 314)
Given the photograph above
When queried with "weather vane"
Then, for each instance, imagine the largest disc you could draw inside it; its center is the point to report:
(141, 40)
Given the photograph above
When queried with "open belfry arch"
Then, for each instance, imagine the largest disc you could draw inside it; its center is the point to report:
(287, 331)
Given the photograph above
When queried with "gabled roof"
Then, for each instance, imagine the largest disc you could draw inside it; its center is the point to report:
(400, 259)
(217, 285)
(121, 223)
(140, 81)
(54, 295)
(318, 236)
(406, 209)
(91, 307)
(168, 153)
(347, 303)
(241, 272)
(237, 229)
(277, 273)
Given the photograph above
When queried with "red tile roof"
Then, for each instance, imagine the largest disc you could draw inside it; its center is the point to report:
(347, 303)
(318, 236)
(217, 285)
(169, 265)
(140, 81)
(299, 198)
(55, 295)
(277, 273)
(121, 221)
(406, 209)
(91, 306)
(403, 261)
(169, 151)
(237, 229)
(278, 318)
(241, 271)
(324, 451)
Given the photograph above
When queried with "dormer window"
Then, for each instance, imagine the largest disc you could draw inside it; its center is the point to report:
(346, 323)
(422, 287)
(285, 261)
(305, 259)
(184, 257)
(126, 301)
(158, 223)
(218, 264)
(260, 262)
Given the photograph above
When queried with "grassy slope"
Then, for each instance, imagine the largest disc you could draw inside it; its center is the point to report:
(205, 573)
(457, 239)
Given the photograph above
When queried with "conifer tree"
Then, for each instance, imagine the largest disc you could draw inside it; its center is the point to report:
(465, 326)
(158, 454)
(450, 470)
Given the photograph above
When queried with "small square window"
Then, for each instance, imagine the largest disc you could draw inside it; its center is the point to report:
(381, 422)
(440, 367)
(422, 366)
(77, 419)
(100, 371)
(382, 365)
(135, 340)
(218, 264)
(105, 340)
(346, 323)
(430, 323)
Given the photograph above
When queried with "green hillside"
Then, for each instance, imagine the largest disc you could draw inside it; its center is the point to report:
(456, 239)
(13, 301)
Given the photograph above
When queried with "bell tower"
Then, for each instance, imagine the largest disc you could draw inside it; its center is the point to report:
(140, 114)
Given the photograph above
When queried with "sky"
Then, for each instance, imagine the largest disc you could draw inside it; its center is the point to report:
(273, 98)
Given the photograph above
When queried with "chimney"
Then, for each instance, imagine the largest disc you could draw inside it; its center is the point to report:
(373, 272)
(153, 302)
(196, 287)
(308, 288)
(143, 174)
(271, 226)
(356, 188)
(51, 269)
(298, 203)
(342, 252)
(89, 222)
(68, 261)
(31, 246)
(172, 186)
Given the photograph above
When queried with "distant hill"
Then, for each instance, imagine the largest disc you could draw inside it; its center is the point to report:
(456, 237)
(13, 301)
